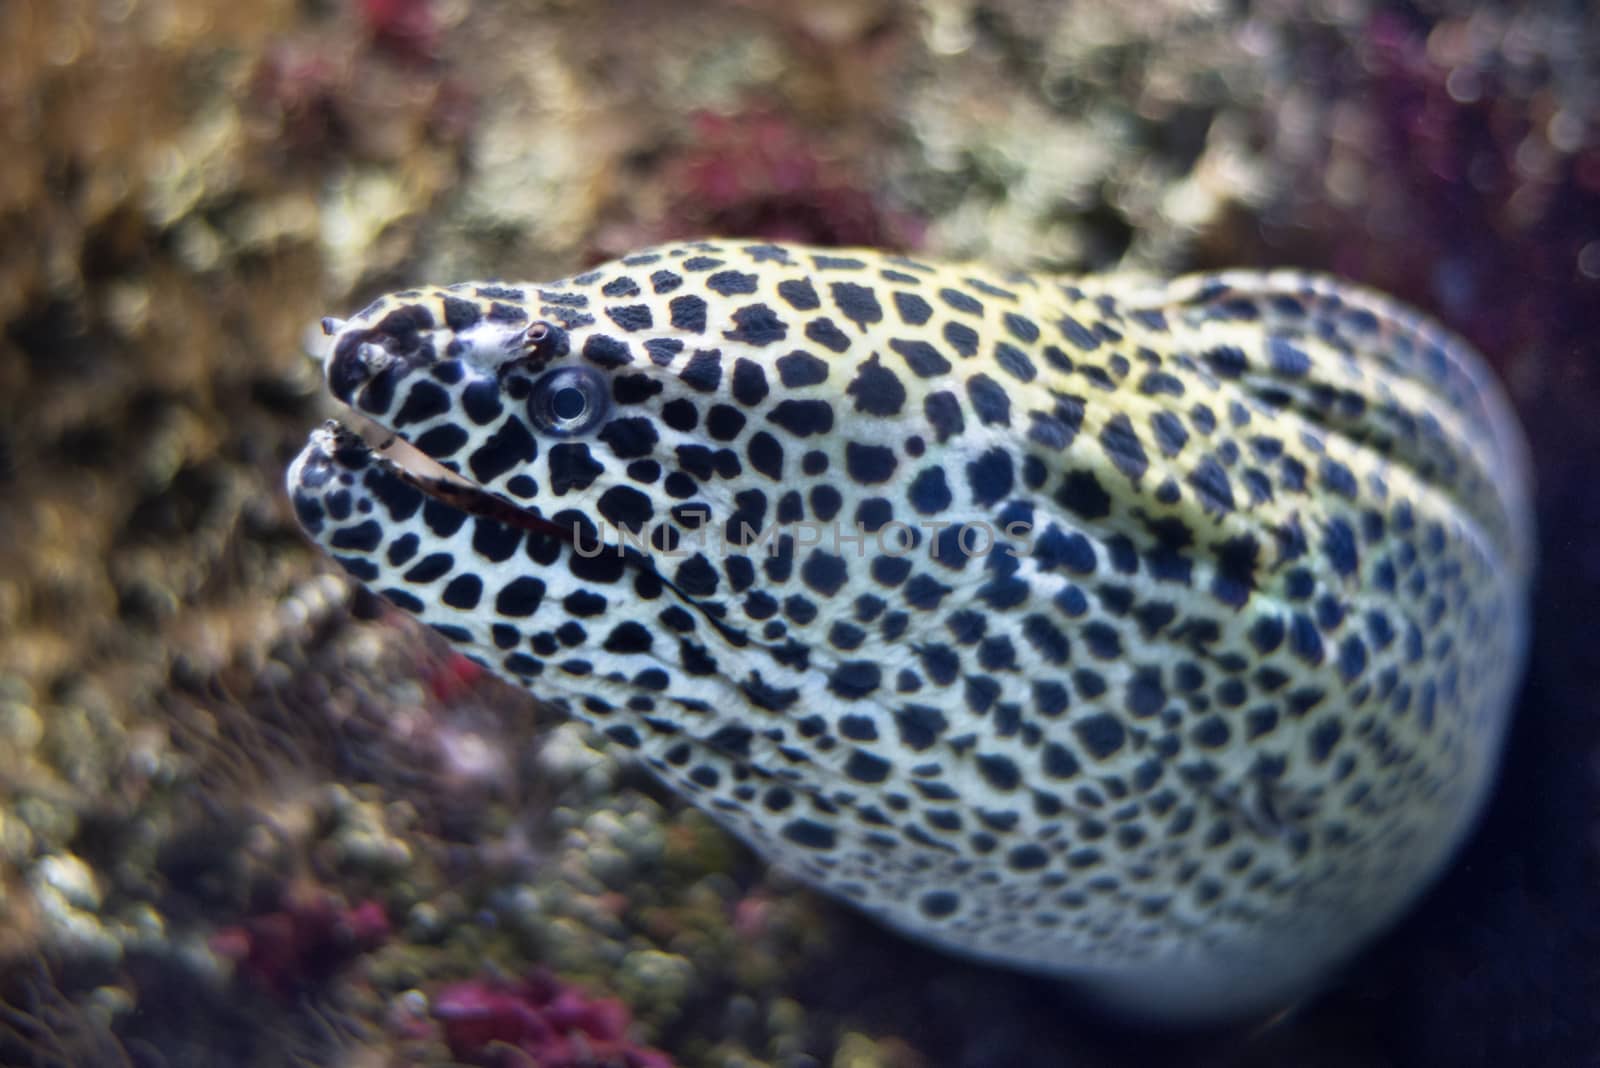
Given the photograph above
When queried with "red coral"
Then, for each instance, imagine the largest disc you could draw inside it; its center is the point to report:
(757, 174)
(299, 88)
(406, 28)
(303, 944)
(324, 96)
(493, 1022)
(452, 678)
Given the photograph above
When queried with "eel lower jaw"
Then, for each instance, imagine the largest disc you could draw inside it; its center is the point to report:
(433, 479)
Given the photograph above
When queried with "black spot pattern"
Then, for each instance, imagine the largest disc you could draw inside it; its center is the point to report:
(757, 325)
(869, 464)
(877, 391)
(857, 303)
(688, 313)
(990, 401)
(1249, 572)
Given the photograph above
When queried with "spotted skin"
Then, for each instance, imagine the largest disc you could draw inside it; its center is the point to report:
(1158, 634)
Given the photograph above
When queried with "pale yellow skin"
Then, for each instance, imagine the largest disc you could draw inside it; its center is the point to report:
(1230, 706)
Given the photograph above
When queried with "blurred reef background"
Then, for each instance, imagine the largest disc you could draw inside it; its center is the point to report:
(251, 816)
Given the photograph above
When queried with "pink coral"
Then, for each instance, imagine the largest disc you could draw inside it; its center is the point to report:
(490, 1022)
(304, 943)
(405, 28)
(758, 174)
(452, 677)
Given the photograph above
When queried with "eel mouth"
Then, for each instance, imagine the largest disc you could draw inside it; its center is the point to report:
(336, 452)
(361, 442)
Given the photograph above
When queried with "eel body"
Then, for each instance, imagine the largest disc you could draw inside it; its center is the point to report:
(1157, 634)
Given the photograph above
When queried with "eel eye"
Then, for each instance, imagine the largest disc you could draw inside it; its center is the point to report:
(568, 400)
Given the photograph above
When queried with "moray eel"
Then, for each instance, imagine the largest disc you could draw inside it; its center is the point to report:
(1156, 634)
